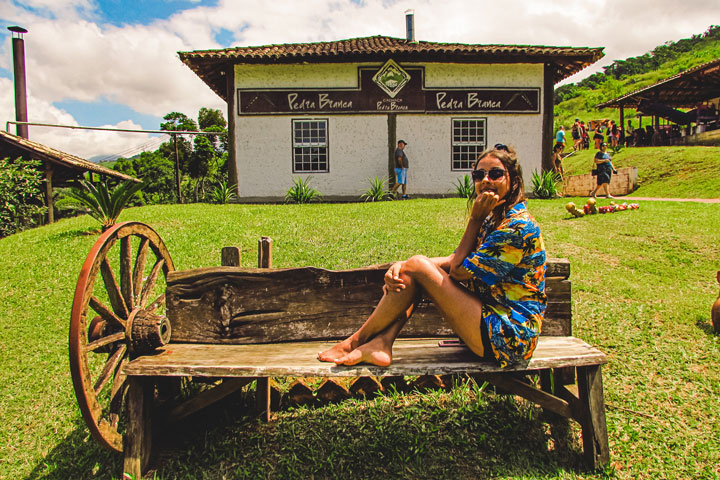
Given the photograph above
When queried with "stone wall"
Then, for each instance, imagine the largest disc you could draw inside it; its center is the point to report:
(622, 183)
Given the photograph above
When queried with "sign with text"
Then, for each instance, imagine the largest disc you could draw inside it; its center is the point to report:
(374, 96)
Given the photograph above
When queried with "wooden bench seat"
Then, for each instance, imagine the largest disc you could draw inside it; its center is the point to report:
(410, 357)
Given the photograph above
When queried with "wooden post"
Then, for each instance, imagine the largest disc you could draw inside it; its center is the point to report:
(548, 132)
(138, 435)
(392, 146)
(594, 428)
(49, 192)
(177, 170)
(231, 257)
(265, 252)
(232, 156)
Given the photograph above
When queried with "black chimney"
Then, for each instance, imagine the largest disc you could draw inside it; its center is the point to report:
(20, 87)
(410, 25)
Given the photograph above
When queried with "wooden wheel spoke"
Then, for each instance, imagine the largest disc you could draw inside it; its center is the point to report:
(126, 280)
(107, 314)
(140, 262)
(110, 368)
(113, 290)
(151, 281)
(101, 342)
(157, 303)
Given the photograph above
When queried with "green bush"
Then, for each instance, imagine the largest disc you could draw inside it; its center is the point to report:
(99, 200)
(545, 184)
(464, 186)
(377, 191)
(21, 202)
(223, 193)
(302, 192)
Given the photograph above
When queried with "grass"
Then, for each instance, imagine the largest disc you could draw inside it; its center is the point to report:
(643, 283)
(676, 172)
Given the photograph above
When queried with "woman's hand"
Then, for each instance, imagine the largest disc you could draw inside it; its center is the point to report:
(483, 205)
(393, 282)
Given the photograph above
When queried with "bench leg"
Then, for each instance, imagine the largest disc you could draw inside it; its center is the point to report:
(138, 435)
(262, 398)
(594, 428)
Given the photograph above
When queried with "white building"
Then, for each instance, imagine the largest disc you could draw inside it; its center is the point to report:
(335, 110)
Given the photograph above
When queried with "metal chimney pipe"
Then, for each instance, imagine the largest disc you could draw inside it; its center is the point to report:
(410, 25)
(20, 86)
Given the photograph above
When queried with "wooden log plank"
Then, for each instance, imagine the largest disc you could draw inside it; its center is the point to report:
(594, 429)
(234, 305)
(231, 257)
(365, 387)
(137, 439)
(299, 394)
(410, 357)
(425, 383)
(397, 383)
(207, 398)
(332, 392)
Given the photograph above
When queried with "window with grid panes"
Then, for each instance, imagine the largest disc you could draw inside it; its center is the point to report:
(310, 145)
(468, 141)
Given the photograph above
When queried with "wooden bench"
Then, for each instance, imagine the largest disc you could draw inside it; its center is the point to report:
(250, 324)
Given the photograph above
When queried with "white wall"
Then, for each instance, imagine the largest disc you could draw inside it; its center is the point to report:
(358, 143)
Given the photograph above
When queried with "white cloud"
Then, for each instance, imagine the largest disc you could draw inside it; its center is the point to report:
(71, 55)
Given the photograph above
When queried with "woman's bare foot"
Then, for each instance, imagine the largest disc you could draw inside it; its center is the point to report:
(377, 352)
(339, 350)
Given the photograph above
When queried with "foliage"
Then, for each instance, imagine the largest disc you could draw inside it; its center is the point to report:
(545, 184)
(464, 186)
(616, 149)
(377, 191)
(302, 192)
(157, 173)
(21, 202)
(223, 193)
(100, 200)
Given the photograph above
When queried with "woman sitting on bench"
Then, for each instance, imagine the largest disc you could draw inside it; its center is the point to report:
(491, 289)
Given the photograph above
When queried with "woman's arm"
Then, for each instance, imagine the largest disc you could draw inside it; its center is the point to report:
(481, 208)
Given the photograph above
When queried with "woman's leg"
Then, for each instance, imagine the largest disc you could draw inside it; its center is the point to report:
(372, 343)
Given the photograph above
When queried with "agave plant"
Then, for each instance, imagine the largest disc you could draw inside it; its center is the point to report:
(545, 184)
(377, 191)
(464, 186)
(223, 193)
(101, 201)
(302, 192)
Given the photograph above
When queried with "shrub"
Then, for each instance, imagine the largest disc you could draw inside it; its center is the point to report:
(223, 193)
(99, 200)
(21, 202)
(302, 192)
(545, 184)
(464, 187)
(377, 191)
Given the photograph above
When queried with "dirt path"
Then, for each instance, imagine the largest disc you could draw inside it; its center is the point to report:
(699, 200)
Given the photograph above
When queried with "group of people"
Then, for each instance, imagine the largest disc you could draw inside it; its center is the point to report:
(580, 134)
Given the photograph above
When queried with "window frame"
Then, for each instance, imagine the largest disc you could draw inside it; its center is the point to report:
(453, 143)
(308, 145)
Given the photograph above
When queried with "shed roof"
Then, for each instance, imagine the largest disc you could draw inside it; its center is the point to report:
(14, 146)
(210, 65)
(684, 90)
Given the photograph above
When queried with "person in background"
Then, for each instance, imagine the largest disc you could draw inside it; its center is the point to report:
(584, 138)
(613, 134)
(577, 137)
(557, 160)
(401, 167)
(560, 137)
(605, 169)
(491, 289)
(598, 137)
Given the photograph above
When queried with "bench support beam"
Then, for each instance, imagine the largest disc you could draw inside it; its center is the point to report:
(138, 438)
(594, 428)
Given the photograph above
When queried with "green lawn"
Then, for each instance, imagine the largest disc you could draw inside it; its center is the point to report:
(643, 284)
(663, 172)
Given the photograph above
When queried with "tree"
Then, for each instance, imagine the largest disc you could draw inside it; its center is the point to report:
(21, 202)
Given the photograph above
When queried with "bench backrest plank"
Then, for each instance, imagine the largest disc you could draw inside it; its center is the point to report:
(250, 305)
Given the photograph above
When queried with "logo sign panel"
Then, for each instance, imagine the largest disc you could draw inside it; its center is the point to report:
(390, 88)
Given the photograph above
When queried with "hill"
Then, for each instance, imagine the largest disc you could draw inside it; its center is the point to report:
(676, 172)
(625, 76)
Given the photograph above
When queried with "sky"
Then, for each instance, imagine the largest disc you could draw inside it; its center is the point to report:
(113, 63)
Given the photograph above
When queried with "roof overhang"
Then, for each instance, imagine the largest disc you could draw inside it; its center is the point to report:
(213, 66)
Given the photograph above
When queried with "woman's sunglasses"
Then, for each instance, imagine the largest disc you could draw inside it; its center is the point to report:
(495, 173)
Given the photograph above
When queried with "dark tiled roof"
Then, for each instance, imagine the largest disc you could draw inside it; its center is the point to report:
(685, 89)
(40, 151)
(210, 65)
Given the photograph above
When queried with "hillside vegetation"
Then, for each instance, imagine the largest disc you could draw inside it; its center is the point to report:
(625, 76)
(663, 172)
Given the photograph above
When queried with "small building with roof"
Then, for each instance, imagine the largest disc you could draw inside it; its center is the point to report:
(60, 169)
(336, 110)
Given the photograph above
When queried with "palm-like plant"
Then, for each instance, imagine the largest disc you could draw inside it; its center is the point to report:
(302, 192)
(101, 201)
(223, 193)
(545, 184)
(377, 191)
(464, 186)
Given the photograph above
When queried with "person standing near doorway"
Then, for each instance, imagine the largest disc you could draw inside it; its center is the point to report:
(560, 138)
(401, 167)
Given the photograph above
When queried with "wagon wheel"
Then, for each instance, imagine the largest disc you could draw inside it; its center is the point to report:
(112, 321)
